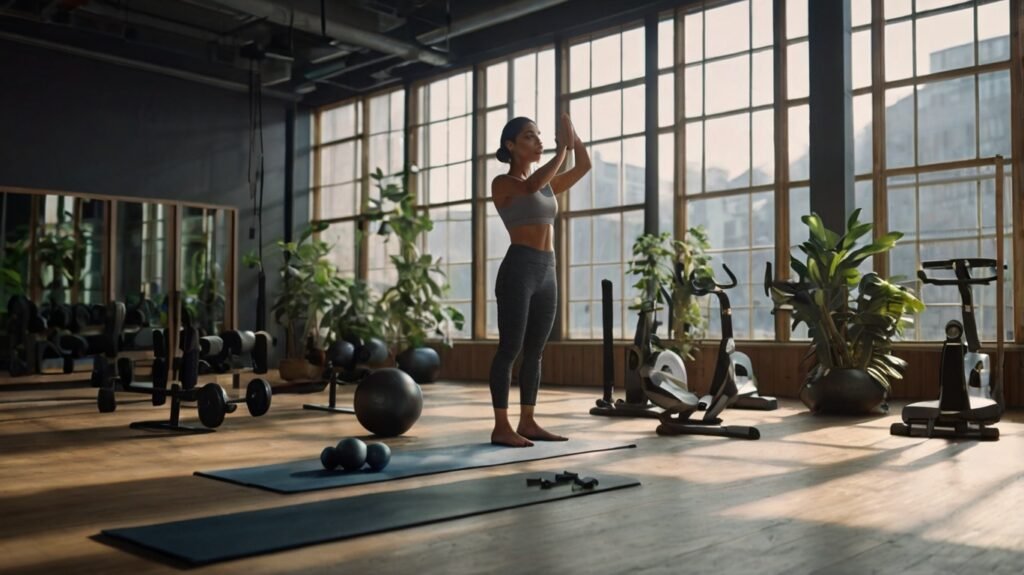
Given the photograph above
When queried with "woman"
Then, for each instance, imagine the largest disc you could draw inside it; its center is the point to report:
(526, 290)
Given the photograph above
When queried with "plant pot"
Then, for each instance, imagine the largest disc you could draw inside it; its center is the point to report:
(423, 364)
(846, 392)
(299, 370)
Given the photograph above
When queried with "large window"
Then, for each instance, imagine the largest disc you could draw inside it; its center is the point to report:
(445, 182)
(730, 149)
(521, 86)
(947, 109)
(338, 170)
(386, 151)
(605, 208)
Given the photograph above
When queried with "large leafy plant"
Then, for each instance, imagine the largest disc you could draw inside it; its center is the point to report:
(62, 252)
(310, 286)
(358, 314)
(658, 260)
(852, 319)
(413, 305)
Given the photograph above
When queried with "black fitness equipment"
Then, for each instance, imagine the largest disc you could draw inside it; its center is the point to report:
(351, 454)
(236, 352)
(957, 413)
(641, 361)
(733, 369)
(671, 394)
(346, 363)
(211, 400)
(388, 402)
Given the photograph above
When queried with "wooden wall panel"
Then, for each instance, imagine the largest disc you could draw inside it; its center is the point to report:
(778, 366)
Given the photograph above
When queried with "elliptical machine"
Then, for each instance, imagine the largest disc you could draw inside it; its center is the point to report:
(957, 413)
(733, 369)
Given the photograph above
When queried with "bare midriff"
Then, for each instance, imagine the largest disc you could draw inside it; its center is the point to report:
(536, 236)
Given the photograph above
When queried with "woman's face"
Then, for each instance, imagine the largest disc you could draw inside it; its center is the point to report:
(528, 146)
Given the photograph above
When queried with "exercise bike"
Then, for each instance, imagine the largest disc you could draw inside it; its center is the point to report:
(733, 369)
(957, 413)
(641, 361)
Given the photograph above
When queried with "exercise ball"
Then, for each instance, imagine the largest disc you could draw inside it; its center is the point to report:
(350, 453)
(421, 363)
(373, 352)
(340, 353)
(388, 402)
(329, 458)
(378, 455)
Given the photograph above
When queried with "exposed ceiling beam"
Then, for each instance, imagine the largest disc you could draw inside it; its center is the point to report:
(286, 16)
(502, 13)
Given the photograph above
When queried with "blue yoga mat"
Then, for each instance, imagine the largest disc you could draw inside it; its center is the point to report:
(309, 475)
(216, 538)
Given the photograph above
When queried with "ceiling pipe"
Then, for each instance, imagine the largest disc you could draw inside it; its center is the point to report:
(145, 66)
(286, 16)
(503, 13)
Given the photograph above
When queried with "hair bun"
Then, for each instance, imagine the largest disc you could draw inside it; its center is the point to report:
(503, 155)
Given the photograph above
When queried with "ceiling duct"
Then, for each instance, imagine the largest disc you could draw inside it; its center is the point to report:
(503, 13)
(286, 16)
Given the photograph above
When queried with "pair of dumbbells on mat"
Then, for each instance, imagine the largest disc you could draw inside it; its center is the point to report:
(351, 454)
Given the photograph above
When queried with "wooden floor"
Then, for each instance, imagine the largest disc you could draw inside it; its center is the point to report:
(814, 495)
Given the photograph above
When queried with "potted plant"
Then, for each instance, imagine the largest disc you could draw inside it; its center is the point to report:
(657, 262)
(310, 285)
(414, 311)
(852, 319)
(358, 321)
(63, 254)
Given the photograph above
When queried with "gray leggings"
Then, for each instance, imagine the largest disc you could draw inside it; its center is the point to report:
(527, 294)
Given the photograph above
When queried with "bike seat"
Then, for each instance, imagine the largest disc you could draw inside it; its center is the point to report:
(669, 393)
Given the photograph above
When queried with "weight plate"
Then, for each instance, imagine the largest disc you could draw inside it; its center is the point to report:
(212, 404)
(257, 397)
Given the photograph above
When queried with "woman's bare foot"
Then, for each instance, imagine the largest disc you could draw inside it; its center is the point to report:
(509, 438)
(537, 433)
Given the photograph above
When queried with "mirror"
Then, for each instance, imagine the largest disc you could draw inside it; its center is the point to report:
(69, 249)
(206, 235)
(142, 273)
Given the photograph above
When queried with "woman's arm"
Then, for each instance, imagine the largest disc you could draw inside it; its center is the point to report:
(546, 173)
(562, 182)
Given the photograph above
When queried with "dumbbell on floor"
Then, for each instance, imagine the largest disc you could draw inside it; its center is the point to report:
(214, 405)
(352, 453)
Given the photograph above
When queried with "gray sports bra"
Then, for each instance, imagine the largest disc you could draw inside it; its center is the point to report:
(539, 207)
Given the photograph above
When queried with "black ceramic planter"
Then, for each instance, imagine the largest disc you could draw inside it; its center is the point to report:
(423, 364)
(846, 392)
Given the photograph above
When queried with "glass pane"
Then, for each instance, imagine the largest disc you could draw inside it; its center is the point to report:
(902, 212)
(633, 108)
(524, 81)
(579, 110)
(666, 43)
(378, 153)
(726, 219)
(860, 12)
(948, 210)
(340, 235)
(947, 127)
(497, 84)
(694, 82)
(495, 123)
(338, 201)
(666, 99)
(860, 48)
(608, 120)
(606, 56)
(797, 82)
(994, 32)
(799, 206)
(899, 48)
(727, 152)
(607, 160)
(438, 96)
(580, 242)
(579, 67)
(338, 163)
(762, 213)
(379, 114)
(763, 77)
(799, 143)
(458, 139)
(925, 5)
(546, 89)
(994, 129)
(579, 284)
(459, 187)
(863, 153)
(633, 54)
(762, 23)
(727, 84)
(438, 144)
(666, 182)
(694, 157)
(727, 29)
(945, 41)
(582, 196)
(694, 37)
(458, 92)
(796, 18)
(398, 110)
(608, 227)
(896, 8)
(762, 147)
(339, 123)
(899, 127)
(634, 166)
